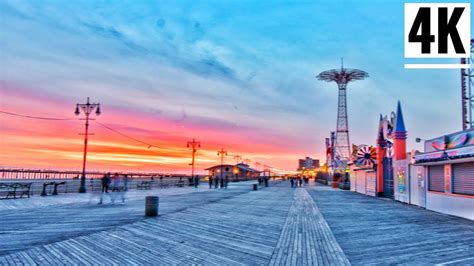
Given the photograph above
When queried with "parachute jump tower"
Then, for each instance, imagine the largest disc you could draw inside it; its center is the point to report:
(342, 77)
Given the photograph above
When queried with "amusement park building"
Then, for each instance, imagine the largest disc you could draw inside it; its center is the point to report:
(373, 171)
(447, 165)
(440, 179)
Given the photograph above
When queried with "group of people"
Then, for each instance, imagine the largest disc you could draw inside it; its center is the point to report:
(298, 181)
(263, 180)
(193, 180)
(117, 184)
(216, 181)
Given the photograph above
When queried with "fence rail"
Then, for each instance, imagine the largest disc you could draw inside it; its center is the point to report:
(8, 173)
(72, 185)
(38, 177)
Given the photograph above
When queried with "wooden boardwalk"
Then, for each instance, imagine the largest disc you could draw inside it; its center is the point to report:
(381, 231)
(272, 226)
(22, 228)
(209, 232)
(306, 238)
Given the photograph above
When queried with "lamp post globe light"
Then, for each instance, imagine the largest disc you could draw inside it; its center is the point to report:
(194, 145)
(86, 108)
(222, 153)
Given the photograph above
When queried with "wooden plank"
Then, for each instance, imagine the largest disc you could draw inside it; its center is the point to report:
(276, 225)
(379, 231)
(306, 247)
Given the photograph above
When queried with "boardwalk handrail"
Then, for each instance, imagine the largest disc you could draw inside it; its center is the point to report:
(16, 173)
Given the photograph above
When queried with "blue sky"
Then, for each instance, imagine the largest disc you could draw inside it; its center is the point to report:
(248, 64)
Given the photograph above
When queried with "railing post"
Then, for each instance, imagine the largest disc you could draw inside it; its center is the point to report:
(55, 191)
(44, 190)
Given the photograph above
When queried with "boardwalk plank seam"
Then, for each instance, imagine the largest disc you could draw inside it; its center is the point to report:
(307, 235)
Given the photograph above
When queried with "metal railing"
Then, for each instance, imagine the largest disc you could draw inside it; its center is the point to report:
(93, 179)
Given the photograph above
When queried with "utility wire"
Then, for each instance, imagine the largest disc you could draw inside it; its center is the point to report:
(37, 117)
(69, 119)
(126, 136)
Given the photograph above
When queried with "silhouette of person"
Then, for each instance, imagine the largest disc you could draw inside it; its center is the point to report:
(196, 181)
(210, 181)
(105, 182)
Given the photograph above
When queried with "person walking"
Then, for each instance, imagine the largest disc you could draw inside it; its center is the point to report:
(210, 182)
(292, 181)
(125, 183)
(115, 182)
(115, 187)
(123, 188)
(300, 181)
(226, 183)
(222, 182)
(196, 181)
(105, 182)
(216, 182)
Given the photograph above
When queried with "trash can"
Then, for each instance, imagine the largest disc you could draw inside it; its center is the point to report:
(151, 206)
(255, 187)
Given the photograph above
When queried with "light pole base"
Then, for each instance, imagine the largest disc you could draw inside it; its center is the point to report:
(82, 190)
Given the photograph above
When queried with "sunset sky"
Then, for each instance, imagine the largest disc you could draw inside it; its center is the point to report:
(233, 74)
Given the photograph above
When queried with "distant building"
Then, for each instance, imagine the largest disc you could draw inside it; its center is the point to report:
(308, 164)
(236, 172)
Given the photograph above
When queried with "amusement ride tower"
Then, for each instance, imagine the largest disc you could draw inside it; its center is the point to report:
(342, 77)
(467, 87)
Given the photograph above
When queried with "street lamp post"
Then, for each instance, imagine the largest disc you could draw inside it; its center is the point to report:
(193, 144)
(87, 108)
(222, 153)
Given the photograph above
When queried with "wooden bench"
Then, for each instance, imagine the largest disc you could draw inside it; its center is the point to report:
(12, 190)
(144, 185)
(55, 190)
(56, 184)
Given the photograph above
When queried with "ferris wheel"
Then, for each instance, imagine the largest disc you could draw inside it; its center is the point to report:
(365, 156)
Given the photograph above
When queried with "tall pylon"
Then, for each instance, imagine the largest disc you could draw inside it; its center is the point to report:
(467, 87)
(342, 77)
